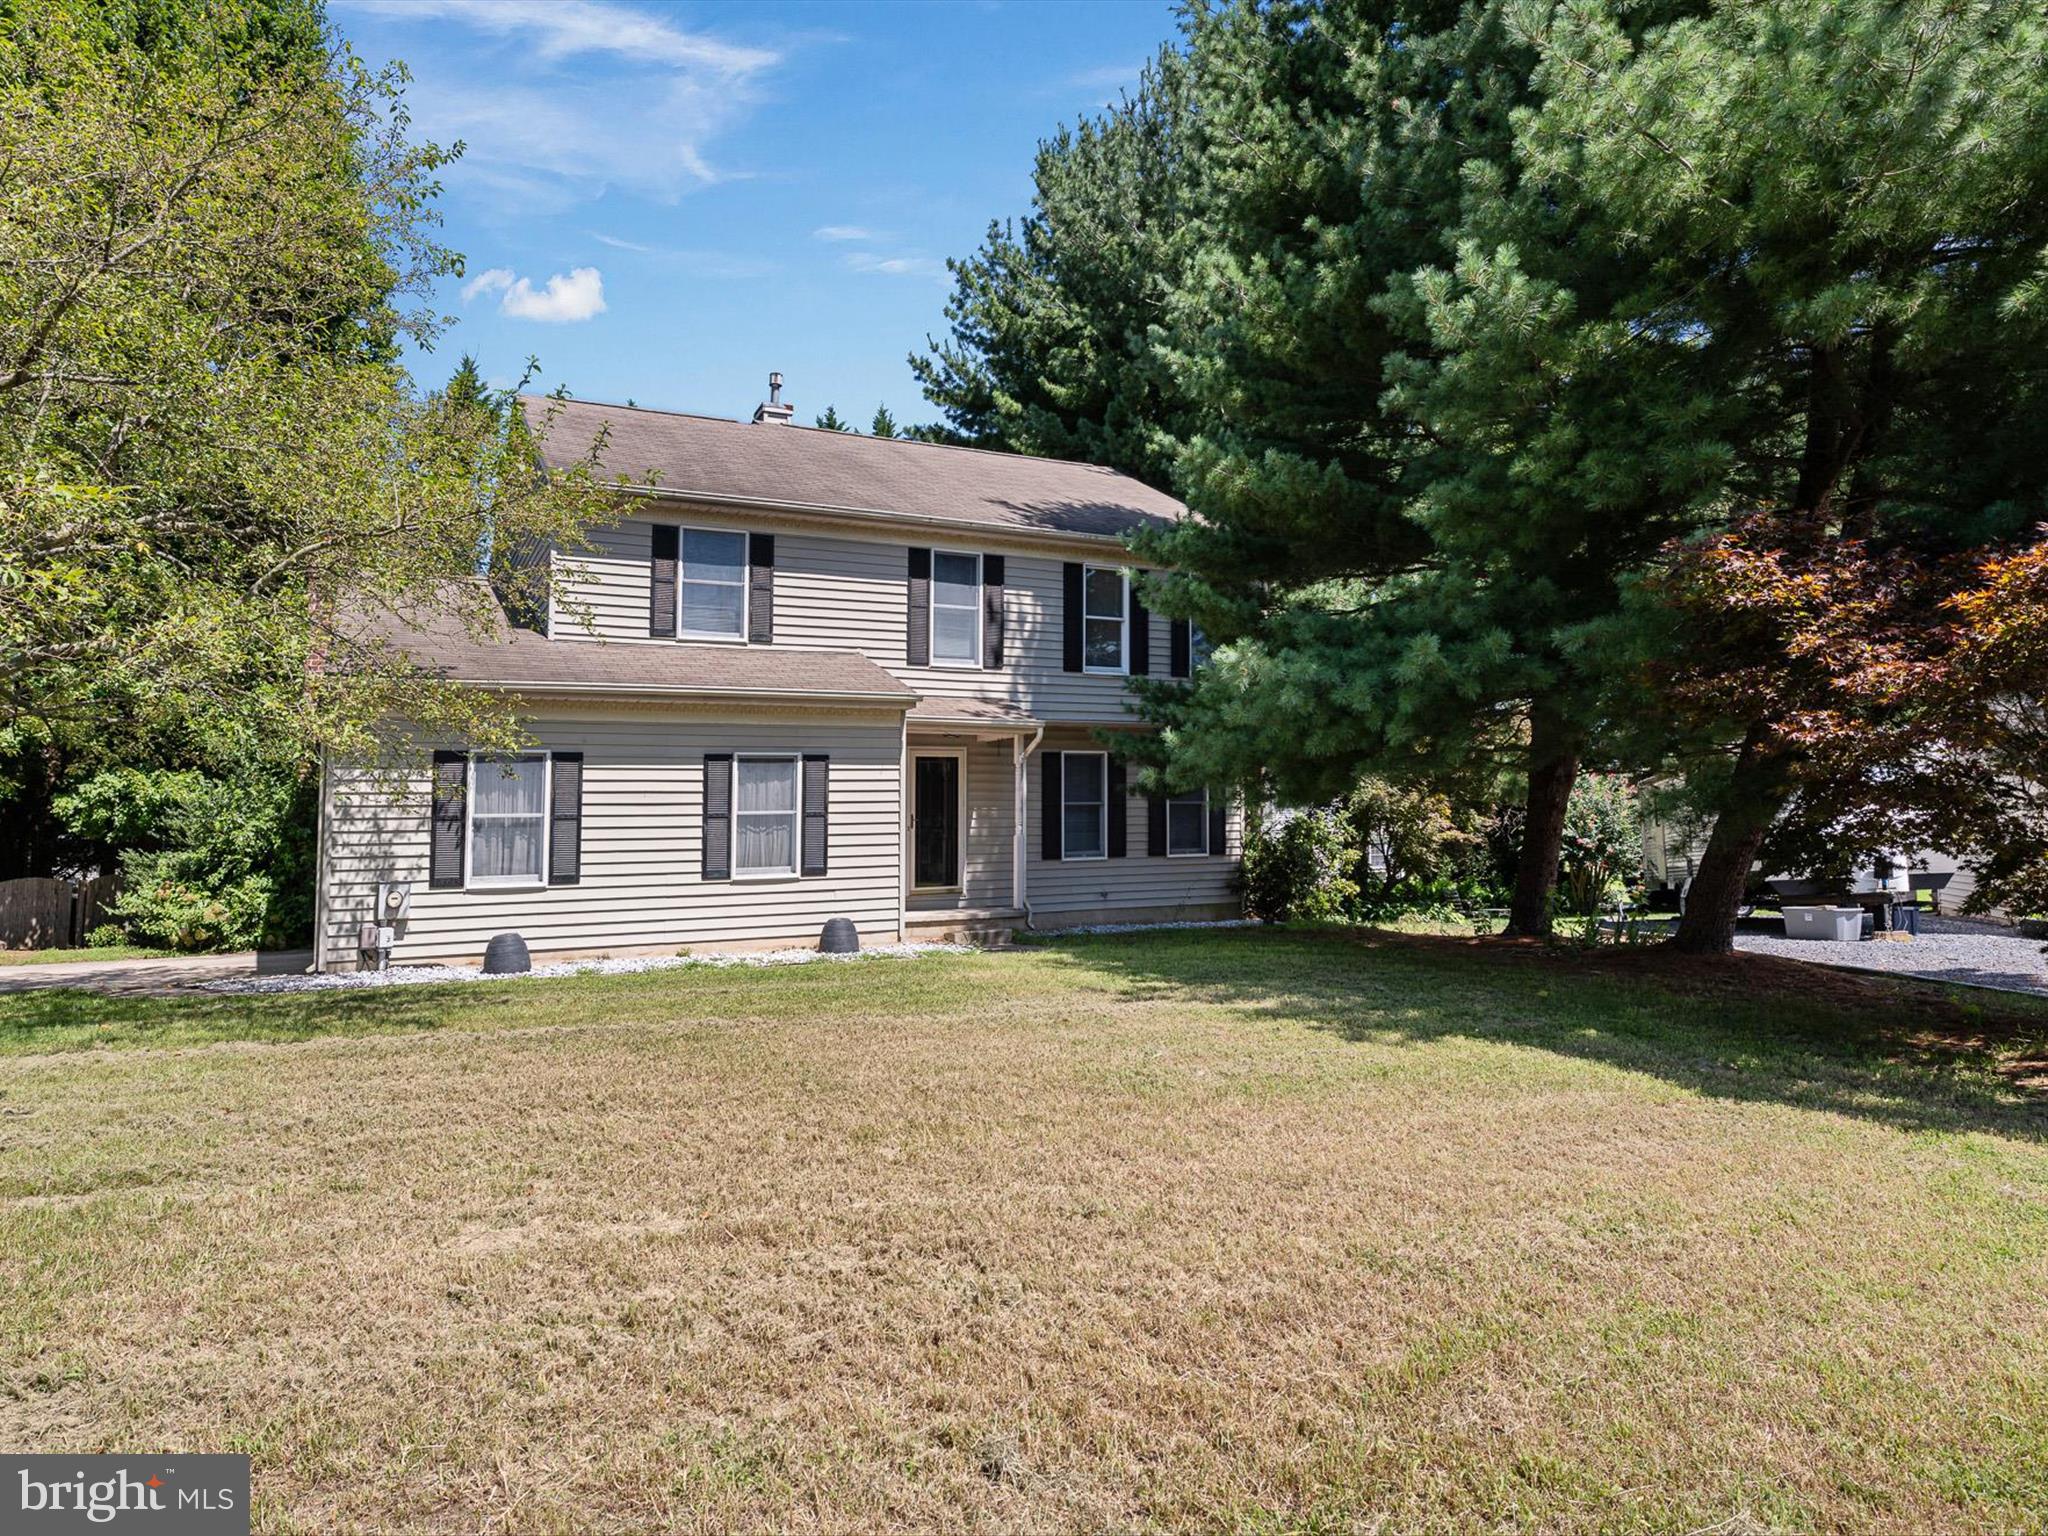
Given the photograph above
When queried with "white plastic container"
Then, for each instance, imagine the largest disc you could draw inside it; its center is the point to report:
(1844, 925)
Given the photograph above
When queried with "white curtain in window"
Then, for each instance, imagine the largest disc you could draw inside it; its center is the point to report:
(508, 819)
(505, 848)
(511, 789)
(766, 833)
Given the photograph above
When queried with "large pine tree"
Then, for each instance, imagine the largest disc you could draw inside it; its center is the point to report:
(1050, 349)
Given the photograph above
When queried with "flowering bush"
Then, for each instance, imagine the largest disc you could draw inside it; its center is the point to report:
(1603, 843)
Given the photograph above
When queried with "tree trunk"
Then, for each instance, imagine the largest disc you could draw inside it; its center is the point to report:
(1553, 766)
(1757, 791)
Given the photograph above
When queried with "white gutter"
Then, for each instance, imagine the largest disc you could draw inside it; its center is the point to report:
(870, 515)
(1020, 754)
(653, 690)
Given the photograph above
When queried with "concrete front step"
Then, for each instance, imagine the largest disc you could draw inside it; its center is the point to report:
(989, 927)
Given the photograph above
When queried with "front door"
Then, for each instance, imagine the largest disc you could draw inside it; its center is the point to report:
(935, 821)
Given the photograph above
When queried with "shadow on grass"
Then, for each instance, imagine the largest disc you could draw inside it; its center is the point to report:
(1744, 1028)
(70, 1019)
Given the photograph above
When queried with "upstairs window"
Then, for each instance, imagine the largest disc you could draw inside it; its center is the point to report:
(1084, 805)
(1105, 610)
(1187, 824)
(711, 584)
(508, 821)
(956, 608)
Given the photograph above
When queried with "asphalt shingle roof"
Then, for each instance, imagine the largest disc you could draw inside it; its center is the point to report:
(812, 468)
(506, 657)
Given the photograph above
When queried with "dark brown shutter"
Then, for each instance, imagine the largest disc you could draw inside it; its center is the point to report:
(451, 824)
(760, 588)
(919, 647)
(1155, 826)
(717, 816)
(565, 821)
(991, 610)
(1119, 803)
(1049, 796)
(1070, 616)
(1141, 634)
(817, 804)
(1180, 648)
(1219, 821)
(661, 612)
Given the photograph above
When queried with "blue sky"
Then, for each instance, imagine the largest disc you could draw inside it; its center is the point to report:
(663, 202)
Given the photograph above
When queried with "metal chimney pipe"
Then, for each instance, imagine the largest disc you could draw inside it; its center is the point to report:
(775, 389)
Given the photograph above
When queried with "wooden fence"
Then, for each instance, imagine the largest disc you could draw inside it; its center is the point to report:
(50, 913)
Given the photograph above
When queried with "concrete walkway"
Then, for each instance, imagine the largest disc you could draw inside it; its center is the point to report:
(158, 977)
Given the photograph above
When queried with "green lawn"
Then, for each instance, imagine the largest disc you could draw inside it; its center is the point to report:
(1233, 1230)
(66, 956)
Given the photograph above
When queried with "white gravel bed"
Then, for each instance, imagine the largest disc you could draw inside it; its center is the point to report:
(1979, 955)
(424, 975)
(1219, 922)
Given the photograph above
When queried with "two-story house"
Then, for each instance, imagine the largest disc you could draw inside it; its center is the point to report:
(806, 675)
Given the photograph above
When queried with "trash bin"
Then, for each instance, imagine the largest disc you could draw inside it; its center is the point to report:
(1843, 925)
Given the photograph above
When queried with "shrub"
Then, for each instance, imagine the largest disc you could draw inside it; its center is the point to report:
(206, 863)
(1300, 870)
(1603, 843)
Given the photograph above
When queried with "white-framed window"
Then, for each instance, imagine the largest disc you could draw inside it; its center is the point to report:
(1105, 619)
(956, 608)
(507, 802)
(1187, 824)
(711, 584)
(1084, 805)
(765, 831)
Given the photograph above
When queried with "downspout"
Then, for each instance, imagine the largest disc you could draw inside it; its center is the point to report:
(903, 835)
(320, 871)
(1021, 750)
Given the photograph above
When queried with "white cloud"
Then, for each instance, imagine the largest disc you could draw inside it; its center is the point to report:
(642, 110)
(840, 233)
(620, 245)
(896, 266)
(578, 296)
(490, 280)
(559, 29)
(1105, 77)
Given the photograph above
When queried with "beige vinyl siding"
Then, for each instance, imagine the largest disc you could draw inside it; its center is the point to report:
(843, 592)
(986, 839)
(1138, 881)
(641, 844)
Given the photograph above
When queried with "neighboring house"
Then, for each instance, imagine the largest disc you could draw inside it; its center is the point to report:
(1672, 851)
(811, 675)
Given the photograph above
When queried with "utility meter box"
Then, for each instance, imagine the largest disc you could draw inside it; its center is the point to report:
(394, 902)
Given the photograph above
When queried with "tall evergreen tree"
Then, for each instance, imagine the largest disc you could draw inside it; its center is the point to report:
(884, 425)
(1849, 203)
(1050, 348)
(1415, 489)
(831, 421)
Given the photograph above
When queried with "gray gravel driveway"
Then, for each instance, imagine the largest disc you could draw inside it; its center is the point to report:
(1946, 949)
